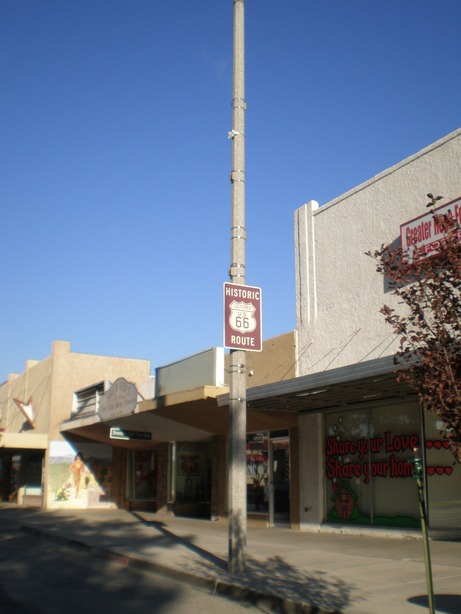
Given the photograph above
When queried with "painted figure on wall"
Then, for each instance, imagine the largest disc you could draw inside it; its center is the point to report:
(79, 477)
(77, 469)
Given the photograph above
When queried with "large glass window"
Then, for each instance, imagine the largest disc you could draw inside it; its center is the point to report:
(193, 472)
(142, 476)
(443, 477)
(258, 473)
(368, 466)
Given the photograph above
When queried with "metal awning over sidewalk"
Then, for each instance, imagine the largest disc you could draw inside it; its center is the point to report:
(364, 382)
(198, 414)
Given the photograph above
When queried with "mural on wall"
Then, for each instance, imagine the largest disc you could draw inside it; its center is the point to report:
(79, 478)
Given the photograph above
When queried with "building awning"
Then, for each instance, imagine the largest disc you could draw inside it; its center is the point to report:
(364, 382)
(191, 415)
(199, 414)
(159, 417)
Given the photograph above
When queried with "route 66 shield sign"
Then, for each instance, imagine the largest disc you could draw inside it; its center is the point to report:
(242, 317)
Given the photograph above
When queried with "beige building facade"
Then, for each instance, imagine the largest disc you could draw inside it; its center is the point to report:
(80, 430)
(173, 459)
(33, 406)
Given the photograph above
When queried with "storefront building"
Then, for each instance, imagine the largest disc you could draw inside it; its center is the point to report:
(168, 453)
(356, 426)
(356, 431)
(363, 443)
(159, 460)
(38, 466)
(83, 431)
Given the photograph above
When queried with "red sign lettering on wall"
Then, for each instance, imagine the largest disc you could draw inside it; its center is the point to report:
(421, 236)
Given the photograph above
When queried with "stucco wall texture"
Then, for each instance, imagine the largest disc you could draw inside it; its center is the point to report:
(50, 384)
(339, 292)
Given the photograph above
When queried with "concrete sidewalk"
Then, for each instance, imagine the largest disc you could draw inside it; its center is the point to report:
(287, 571)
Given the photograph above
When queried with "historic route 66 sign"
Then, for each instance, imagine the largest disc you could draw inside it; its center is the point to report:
(242, 317)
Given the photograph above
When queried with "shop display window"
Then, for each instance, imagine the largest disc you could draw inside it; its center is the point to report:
(443, 477)
(142, 482)
(193, 472)
(20, 473)
(257, 455)
(368, 466)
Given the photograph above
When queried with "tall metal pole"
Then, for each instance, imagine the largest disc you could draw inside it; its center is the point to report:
(237, 393)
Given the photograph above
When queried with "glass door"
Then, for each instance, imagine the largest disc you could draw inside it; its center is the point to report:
(279, 501)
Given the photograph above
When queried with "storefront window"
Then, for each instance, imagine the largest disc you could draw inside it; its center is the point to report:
(280, 453)
(142, 482)
(19, 472)
(369, 473)
(443, 477)
(193, 472)
(258, 473)
(16, 477)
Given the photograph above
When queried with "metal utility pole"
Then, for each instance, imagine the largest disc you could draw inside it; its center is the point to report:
(237, 501)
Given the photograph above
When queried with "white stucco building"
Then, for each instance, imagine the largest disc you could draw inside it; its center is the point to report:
(338, 291)
(356, 426)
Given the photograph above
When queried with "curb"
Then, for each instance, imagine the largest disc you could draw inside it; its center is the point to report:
(273, 603)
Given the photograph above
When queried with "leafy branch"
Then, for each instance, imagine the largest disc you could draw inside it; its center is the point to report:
(428, 320)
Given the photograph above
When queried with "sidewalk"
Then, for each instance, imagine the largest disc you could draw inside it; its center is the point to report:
(287, 570)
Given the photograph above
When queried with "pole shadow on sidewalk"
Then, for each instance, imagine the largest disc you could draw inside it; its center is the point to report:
(186, 541)
(273, 575)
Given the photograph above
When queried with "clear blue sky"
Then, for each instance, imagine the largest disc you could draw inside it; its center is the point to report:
(114, 159)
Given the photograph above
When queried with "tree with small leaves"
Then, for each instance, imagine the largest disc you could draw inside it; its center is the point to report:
(428, 320)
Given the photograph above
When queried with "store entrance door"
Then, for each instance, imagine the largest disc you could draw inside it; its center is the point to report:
(279, 501)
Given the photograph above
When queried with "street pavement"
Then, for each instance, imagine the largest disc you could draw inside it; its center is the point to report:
(287, 571)
(46, 576)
